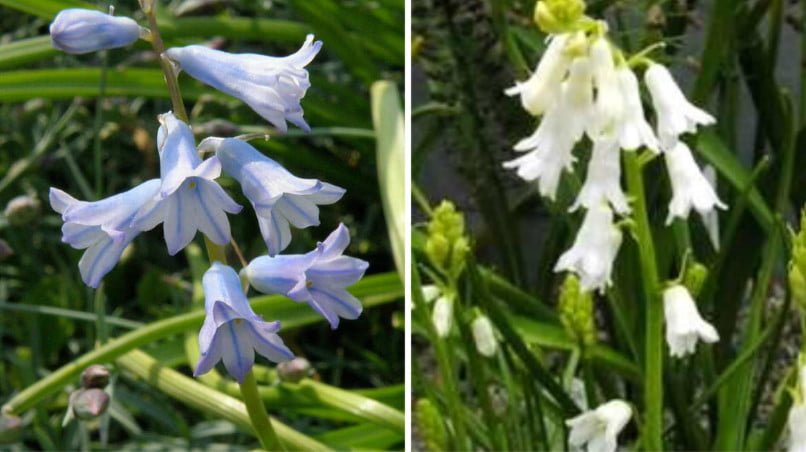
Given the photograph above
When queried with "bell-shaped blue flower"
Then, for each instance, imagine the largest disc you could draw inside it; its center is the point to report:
(272, 86)
(189, 198)
(79, 31)
(319, 278)
(279, 198)
(102, 227)
(232, 332)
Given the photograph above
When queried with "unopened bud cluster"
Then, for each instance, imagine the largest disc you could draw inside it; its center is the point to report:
(576, 312)
(446, 245)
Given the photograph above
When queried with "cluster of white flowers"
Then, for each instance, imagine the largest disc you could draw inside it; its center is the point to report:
(583, 86)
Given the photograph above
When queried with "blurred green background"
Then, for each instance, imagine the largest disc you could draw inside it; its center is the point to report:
(55, 130)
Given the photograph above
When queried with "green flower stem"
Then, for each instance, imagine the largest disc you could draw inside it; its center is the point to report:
(196, 395)
(653, 351)
(258, 415)
(167, 68)
(444, 362)
(373, 290)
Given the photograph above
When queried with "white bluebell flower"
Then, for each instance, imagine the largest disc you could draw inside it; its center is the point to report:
(232, 332)
(597, 430)
(79, 31)
(319, 278)
(684, 324)
(272, 86)
(279, 198)
(102, 227)
(189, 198)
(676, 115)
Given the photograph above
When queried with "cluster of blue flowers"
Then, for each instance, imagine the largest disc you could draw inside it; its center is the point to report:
(187, 199)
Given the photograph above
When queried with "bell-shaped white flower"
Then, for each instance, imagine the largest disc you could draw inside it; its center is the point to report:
(684, 325)
(484, 336)
(599, 428)
(78, 31)
(594, 250)
(690, 188)
(676, 115)
(797, 415)
(550, 147)
(603, 180)
(608, 108)
(442, 315)
(271, 86)
(635, 131)
(539, 91)
(797, 428)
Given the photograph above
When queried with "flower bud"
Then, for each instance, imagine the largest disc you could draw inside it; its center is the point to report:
(695, 276)
(576, 311)
(10, 428)
(78, 31)
(442, 316)
(294, 370)
(499, 399)
(484, 336)
(430, 425)
(558, 16)
(437, 248)
(89, 403)
(95, 376)
(21, 210)
(458, 257)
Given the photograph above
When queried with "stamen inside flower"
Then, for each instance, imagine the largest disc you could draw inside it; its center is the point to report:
(309, 284)
(191, 185)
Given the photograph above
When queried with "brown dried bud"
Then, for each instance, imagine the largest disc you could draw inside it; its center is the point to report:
(295, 370)
(95, 376)
(89, 403)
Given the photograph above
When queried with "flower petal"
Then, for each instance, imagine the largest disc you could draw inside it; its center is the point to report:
(276, 232)
(238, 354)
(342, 271)
(100, 259)
(335, 243)
(341, 302)
(267, 343)
(179, 227)
(210, 355)
(277, 274)
(299, 211)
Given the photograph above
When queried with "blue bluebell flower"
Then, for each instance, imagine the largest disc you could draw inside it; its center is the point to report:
(79, 31)
(279, 198)
(232, 332)
(189, 198)
(272, 86)
(102, 227)
(319, 278)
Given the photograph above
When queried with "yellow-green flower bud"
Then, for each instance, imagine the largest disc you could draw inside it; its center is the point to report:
(458, 255)
(695, 276)
(797, 266)
(430, 425)
(576, 311)
(558, 16)
(437, 248)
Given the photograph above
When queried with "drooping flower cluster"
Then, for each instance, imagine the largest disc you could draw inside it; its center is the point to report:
(187, 199)
(584, 87)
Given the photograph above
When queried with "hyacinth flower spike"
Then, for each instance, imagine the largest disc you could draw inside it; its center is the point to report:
(319, 278)
(102, 227)
(271, 86)
(190, 200)
(279, 198)
(78, 31)
(232, 332)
